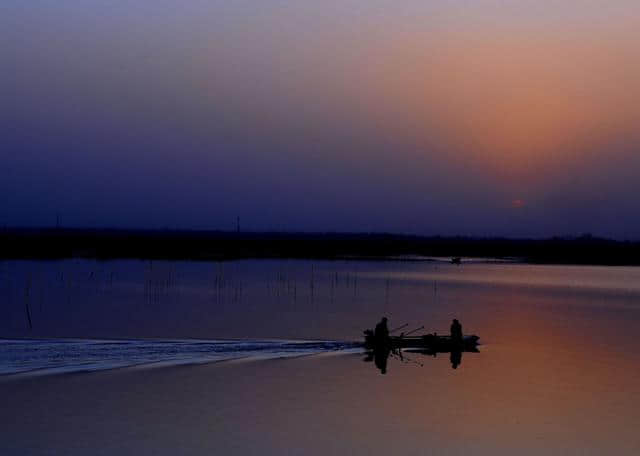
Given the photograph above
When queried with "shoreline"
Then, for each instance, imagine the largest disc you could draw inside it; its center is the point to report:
(176, 245)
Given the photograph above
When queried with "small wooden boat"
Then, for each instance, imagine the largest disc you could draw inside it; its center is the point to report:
(429, 342)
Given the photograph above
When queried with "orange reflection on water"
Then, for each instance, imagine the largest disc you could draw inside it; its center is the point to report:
(545, 382)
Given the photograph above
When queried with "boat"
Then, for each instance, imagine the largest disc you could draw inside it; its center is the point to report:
(427, 342)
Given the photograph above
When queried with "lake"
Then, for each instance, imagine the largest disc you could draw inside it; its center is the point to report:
(139, 357)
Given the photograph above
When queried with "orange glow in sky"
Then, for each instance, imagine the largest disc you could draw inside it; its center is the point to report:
(520, 101)
(435, 114)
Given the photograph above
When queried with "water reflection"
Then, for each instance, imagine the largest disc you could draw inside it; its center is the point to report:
(558, 374)
(312, 299)
(456, 359)
(380, 355)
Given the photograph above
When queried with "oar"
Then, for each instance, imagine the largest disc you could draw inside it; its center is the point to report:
(398, 328)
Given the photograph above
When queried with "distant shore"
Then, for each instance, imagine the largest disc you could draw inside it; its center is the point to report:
(106, 244)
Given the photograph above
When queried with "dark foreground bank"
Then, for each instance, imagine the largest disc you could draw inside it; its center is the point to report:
(220, 245)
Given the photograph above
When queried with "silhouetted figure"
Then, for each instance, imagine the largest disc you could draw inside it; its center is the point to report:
(456, 332)
(381, 332)
(456, 358)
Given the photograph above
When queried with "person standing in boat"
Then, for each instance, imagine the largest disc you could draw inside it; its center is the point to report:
(381, 332)
(456, 332)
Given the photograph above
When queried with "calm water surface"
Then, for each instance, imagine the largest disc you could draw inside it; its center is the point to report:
(558, 371)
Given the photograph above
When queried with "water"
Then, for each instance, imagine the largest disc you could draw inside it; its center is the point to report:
(161, 307)
(59, 356)
(557, 371)
(300, 299)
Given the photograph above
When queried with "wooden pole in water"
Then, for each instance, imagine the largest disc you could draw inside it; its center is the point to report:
(27, 292)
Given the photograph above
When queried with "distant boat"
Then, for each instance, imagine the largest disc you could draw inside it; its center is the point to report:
(456, 260)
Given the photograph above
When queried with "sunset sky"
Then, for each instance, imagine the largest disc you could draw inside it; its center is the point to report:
(484, 117)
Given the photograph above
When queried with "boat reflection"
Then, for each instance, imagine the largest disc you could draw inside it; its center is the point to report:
(380, 355)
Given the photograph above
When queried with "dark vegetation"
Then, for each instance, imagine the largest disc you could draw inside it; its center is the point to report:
(219, 245)
(53, 243)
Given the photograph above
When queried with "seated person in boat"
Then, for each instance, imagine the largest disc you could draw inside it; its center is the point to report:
(381, 333)
(456, 331)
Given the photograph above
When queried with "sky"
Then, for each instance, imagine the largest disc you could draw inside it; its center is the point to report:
(514, 118)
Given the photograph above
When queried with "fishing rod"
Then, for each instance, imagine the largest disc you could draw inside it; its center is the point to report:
(414, 330)
(398, 328)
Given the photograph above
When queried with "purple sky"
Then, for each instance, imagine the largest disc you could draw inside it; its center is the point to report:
(484, 117)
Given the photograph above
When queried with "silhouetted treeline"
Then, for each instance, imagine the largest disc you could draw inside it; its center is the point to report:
(219, 245)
